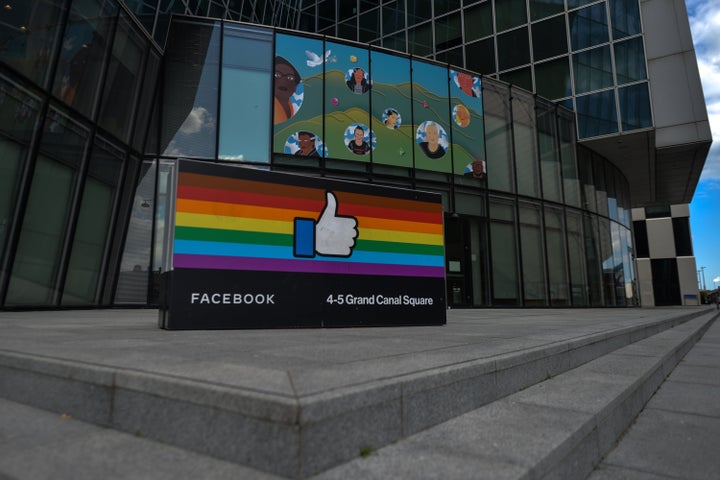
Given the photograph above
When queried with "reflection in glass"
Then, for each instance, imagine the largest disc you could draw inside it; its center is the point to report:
(92, 229)
(509, 14)
(496, 104)
(521, 77)
(593, 70)
(17, 118)
(592, 258)
(503, 254)
(84, 47)
(37, 260)
(630, 61)
(524, 135)
(192, 64)
(588, 27)
(420, 41)
(635, 107)
(481, 56)
(545, 8)
(576, 259)
(122, 81)
(132, 284)
(246, 82)
(596, 114)
(29, 36)
(531, 247)
(478, 21)
(556, 257)
(548, 149)
(625, 18)
(571, 182)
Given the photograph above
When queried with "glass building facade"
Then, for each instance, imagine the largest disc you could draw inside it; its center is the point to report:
(94, 111)
(588, 55)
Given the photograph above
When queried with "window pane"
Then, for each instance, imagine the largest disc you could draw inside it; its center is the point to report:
(467, 127)
(298, 96)
(392, 110)
(28, 36)
(549, 38)
(619, 264)
(246, 82)
(625, 17)
(592, 252)
(608, 262)
(478, 21)
(531, 245)
(586, 180)
(84, 48)
(588, 27)
(17, 117)
(431, 117)
(509, 14)
(630, 61)
(496, 104)
(370, 26)
(635, 107)
(96, 211)
(596, 114)
(393, 17)
(420, 40)
(145, 105)
(143, 11)
(571, 181)
(523, 108)
(552, 79)
(43, 232)
(521, 77)
(448, 32)
(598, 166)
(549, 153)
(593, 70)
(642, 247)
(556, 258)
(513, 48)
(132, 284)
(481, 56)
(545, 8)
(576, 257)
(503, 254)
(192, 64)
(419, 10)
(347, 99)
(122, 82)
(683, 240)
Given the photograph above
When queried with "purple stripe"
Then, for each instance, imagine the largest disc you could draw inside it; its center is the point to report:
(306, 266)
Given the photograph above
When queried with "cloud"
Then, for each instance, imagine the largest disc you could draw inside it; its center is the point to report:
(704, 18)
(197, 119)
(716, 280)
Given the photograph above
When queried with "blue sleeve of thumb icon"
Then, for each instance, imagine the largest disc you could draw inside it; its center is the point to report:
(304, 245)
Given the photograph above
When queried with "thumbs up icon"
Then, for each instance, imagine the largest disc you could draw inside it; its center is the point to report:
(332, 235)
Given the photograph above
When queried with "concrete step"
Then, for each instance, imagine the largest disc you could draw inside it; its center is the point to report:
(39, 445)
(312, 423)
(558, 429)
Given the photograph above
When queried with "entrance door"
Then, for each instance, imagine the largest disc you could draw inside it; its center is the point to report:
(457, 258)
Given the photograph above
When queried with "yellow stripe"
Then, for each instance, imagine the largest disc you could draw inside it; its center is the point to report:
(275, 226)
(233, 223)
(402, 237)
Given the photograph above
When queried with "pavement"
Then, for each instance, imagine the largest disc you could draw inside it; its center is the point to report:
(105, 393)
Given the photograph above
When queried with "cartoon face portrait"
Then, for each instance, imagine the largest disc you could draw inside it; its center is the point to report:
(461, 115)
(475, 169)
(305, 144)
(288, 91)
(391, 118)
(357, 80)
(432, 139)
(467, 83)
(359, 139)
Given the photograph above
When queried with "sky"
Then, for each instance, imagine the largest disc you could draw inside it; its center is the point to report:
(705, 207)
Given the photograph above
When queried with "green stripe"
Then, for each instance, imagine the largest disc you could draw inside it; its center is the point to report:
(279, 239)
(233, 236)
(397, 247)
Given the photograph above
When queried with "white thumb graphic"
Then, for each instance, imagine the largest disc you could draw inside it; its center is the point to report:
(334, 235)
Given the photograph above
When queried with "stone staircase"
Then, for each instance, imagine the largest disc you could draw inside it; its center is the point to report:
(551, 410)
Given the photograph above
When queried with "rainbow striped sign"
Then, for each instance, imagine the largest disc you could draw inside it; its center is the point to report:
(258, 230)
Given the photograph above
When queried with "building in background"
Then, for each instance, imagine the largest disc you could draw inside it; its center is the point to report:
(97, 97)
